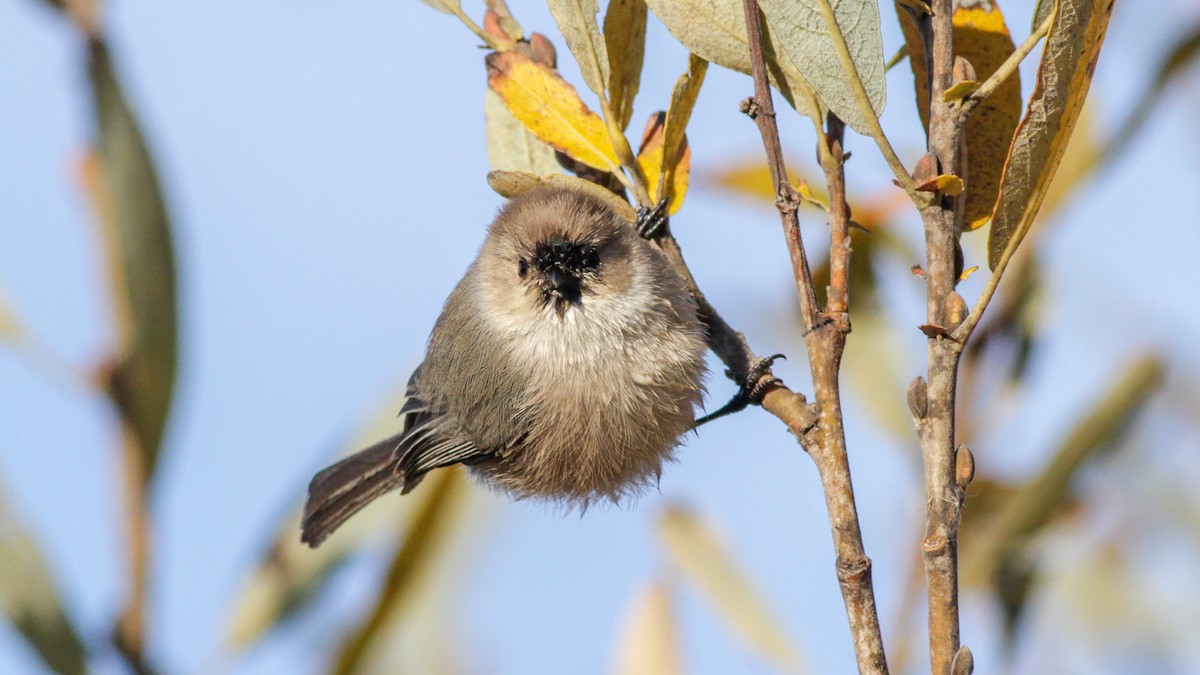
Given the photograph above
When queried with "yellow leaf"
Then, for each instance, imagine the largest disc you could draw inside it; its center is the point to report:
(550, 108)
(625, 39)
(676, 154)
(966, 274)
(1068, 63)
(650, 162)
(945, 184)
(648, 644)
(702, 557)
(960, 91)
(982, 38)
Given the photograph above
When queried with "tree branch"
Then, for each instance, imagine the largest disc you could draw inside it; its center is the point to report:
(934, 418)
(825, 340)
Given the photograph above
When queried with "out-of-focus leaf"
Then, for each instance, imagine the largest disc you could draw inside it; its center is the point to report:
(694, 548)
(576, 20)
(650, 162)
(514, 184)
(1068, 63)
(1031, 506)
(751, 179)
(11, 328)
(625, 40)
(550, 108)
(648, 643)
(290, 573)
(510, 145)
(982, 38)
(715, 30)
(141, 260)
(443, 6)
(431, 526)
(31, 601)
(805, 36)
(1181, 55)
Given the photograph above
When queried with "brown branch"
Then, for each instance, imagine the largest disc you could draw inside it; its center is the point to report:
(825, 340)
(935, 424)
(129, 633)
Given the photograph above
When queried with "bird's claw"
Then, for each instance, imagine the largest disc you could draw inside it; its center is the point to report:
(753, 389)
(652, 220)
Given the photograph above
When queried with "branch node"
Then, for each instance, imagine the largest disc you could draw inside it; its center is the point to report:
(854, 571)
(750, 107)
(934, 545)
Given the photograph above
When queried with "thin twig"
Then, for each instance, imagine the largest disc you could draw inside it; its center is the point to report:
(864, 102)
(825, 339)
(1007, 68)
(762, 110)
(936, 426)
(129, 634)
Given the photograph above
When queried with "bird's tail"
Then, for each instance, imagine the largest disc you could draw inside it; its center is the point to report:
(343, 489)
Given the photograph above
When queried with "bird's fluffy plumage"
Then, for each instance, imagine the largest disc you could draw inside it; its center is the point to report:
(565, 365)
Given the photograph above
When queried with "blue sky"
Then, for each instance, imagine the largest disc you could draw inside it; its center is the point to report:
(324, 164)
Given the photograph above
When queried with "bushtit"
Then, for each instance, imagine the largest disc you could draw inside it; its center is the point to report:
(565, 365)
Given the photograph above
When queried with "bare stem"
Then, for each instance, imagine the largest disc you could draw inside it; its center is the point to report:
(762, 110)
(129, 634)
(823, 435)
(935, 426)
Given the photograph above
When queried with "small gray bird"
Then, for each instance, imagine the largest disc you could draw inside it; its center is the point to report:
(565, 365)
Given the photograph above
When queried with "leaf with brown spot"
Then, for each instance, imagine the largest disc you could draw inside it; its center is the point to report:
(982, 38)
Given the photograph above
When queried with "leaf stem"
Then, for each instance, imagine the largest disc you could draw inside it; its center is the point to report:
(864, 103)
(1009, 66)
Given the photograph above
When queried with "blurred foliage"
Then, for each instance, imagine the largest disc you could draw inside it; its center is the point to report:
(531, 111)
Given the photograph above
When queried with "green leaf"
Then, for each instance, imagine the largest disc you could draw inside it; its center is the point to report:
(715, 30)
(625, 40)
(1068, 63)
(576, 20)
(141, 261)
(694, 548)
(805, 37)
(31, 600)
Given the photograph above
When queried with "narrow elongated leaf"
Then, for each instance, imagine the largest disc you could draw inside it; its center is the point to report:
(981, 37)
(141, 261)
(510, 145)
(683, 101)
(31, 601)
(625, 39)
(432, 525)
(1040, 11)
(706, 562)
(576, 20)
(715, 30)
(290, 573)
(648, 644)
(805, 37)
(1068, 63)
(551, 109)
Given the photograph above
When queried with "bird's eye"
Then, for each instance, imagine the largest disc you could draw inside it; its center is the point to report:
(522, 267)
(591, 259)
